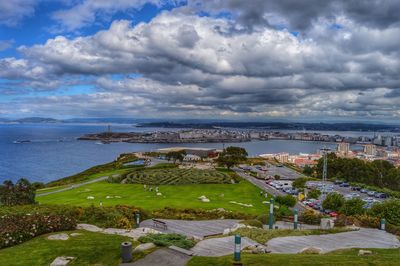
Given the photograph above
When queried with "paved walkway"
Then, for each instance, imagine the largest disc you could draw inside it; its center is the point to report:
(364, 238)
(215, 247)
(73, 186)
(198, 229)
(162, 257)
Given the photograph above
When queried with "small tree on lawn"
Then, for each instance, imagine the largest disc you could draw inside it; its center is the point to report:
(333, 201)
(299, 183)
(232, 156)
(21, 193)
(277, 177)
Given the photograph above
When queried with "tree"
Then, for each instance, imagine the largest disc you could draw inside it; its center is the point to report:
(388, 209)
(232, 156)
(314, 194)
(307, 170)
(299, 183)
(277, 177)
(286, 200)
(175, 155)
(333, 201)
(353, 207)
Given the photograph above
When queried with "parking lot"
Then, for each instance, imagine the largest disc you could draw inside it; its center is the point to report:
(272, 170)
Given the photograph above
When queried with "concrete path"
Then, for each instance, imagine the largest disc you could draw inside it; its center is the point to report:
(364, 238)
(198, 229)
(164, 257)
(73, 186)
(215, 247)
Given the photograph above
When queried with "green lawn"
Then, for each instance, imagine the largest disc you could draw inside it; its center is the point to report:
(176, 196)
(381, 257)
(88, 248)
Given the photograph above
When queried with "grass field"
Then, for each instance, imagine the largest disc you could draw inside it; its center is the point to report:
(381, 257)
(88, 248)
(176, 196)
(177, 177)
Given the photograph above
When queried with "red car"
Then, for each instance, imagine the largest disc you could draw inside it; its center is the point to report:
(333, 214)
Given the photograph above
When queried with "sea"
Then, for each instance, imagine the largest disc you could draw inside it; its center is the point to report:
(54, 151)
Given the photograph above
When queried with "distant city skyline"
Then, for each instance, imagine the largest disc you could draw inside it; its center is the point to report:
(254, 60)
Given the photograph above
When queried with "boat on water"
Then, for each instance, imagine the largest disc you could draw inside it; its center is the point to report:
(21, 141)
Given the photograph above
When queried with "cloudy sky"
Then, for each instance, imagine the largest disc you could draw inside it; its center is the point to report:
(228, 59)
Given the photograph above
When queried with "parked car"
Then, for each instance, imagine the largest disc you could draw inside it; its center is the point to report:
(338, 182)
(333, 214)
(371, 193)
(344, 185)
(363, 190)
(355, 188)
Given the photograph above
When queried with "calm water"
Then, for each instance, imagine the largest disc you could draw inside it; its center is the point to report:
(48, 158)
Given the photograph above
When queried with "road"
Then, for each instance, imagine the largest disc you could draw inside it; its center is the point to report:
(73, 186)
(262, 185)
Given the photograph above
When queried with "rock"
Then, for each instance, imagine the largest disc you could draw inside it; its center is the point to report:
(159, 194)
(311, 250)
(227, 231)
(202, 197)
(205, 200)
(90, 197)
(75, 234)
(327, 223)
(363, 252)
(89, 227)
(58, 237)
(61, 261)
(143, 247)
(109, 197)
(221, 209)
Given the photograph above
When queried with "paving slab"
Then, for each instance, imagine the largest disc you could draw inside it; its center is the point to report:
(198, 229)
(164, 257)
(215, 247)
(363, 238)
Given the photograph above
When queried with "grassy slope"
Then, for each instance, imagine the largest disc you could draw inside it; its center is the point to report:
(89, 248)
(177, 196)
(380, 257)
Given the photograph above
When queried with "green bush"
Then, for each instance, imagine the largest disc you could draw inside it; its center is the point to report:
(314, 194)
(286, 200)
(165, 240)
(353, 207)
(199, 214)
(310, 217)
(389, 209)
(333, 201)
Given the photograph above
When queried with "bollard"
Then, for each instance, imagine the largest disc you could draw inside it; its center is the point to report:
(296, 214)
(137, 219)
(126, 252)
(271, 213)
(238, 248)
(383, 222)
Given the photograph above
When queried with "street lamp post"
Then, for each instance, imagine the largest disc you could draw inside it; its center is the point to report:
(271, 213)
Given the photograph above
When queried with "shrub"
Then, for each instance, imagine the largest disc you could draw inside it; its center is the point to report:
(165, 240)
(286, 200)
(15, 229)
(353, 207)
(199, 214)
(333, 201)
(389, 209)
(314, 194)
(310, 217)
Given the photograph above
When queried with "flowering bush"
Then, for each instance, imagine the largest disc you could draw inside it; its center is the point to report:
(15, 229)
